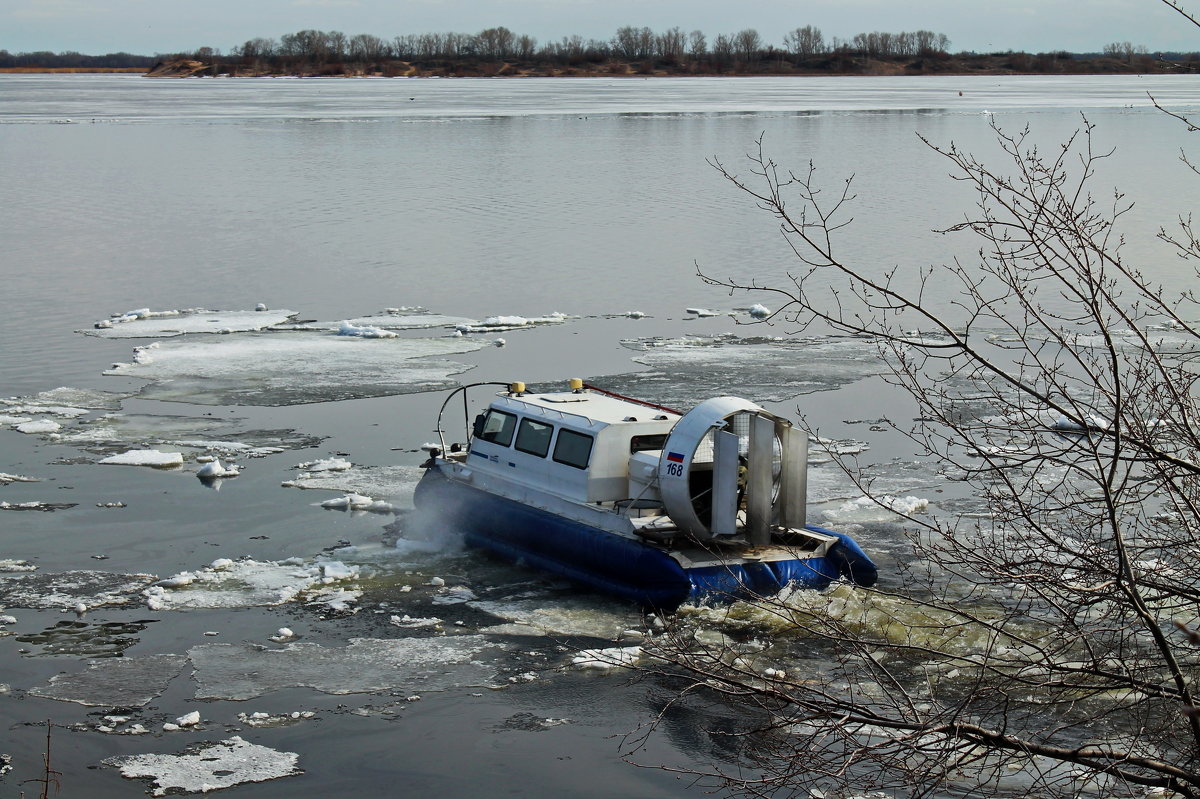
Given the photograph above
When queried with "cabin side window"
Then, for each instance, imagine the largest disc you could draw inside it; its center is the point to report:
(534, 437)
(573, 448)
(644, 443)
(498, 427)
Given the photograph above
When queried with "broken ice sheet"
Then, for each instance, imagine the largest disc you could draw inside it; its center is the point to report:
(245, 671)
(208, 766)
(247, 583)
(686, 371)
(392, 319)
(164, 324)
(153, 458)
(64, 590)
(115, 681)
(274, 369)
(64, 401)
(393, 483)
(5, 479)
(115, 433)
(881, 509)
(500, 324)
(36, 505)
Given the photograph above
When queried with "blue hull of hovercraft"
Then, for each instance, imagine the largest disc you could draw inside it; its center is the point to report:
(621, 566)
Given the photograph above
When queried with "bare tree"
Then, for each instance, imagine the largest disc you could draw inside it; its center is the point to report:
(747, 44)
(496, 43)
(1125, 51)
(671, 44)
(722, 48)
(633, 43)
(1046, 642)
(804, 42)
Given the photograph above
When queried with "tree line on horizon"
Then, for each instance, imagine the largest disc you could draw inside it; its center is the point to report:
(315, 49)
(333, 52)
(71, 59)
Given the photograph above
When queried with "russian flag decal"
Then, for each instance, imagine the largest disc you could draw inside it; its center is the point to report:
(674, 457)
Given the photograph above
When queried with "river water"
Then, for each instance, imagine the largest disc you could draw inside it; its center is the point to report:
(416, 206)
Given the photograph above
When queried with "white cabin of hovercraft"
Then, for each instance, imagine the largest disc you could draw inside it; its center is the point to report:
(577, 444)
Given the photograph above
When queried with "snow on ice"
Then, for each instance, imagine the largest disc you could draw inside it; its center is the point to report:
(611, 659)
(22, 588)
(146, 457)
(145, 323)
(38, 427)
(214, 470)
(249, 583)
(208, 766)
(500, 324)
(397, 483)
(290, 368)
(866, 509)
(366, 331)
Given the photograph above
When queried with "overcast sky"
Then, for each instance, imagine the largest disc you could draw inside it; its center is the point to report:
(164, 26)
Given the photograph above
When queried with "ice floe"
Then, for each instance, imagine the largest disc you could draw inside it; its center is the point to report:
(6, 478)
(261, 718)
(408, 622)
(275, 369)
(37, 505)
(611, 659)
(358, 502)
(364, 331)
(64, 411)
(38, 427)
(64, 590)
(883, 508)
(325, 465)
(115, 682)
(247, 583)
(684, 371)
(454, 595)
(396, 483)
(153, 458)
(391, 319)
(66, 401)
(283, 634)
(145, 323)
(208, 766)
(244, 671)
(202, 435)
(242, 449)
(500, 324)
(215, 470)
